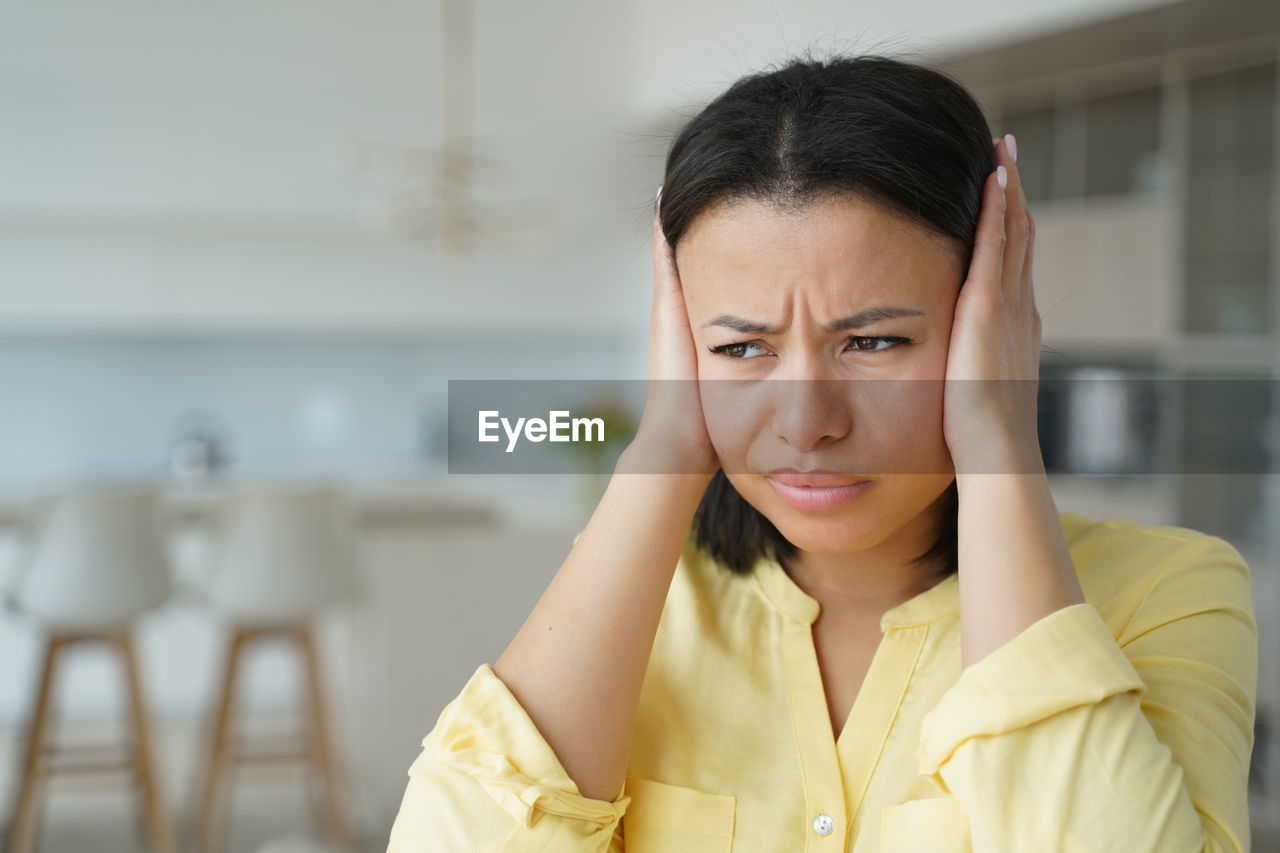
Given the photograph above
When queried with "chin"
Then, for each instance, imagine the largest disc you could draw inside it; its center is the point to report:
(832, 534)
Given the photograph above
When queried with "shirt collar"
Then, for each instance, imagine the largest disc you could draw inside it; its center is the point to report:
(785, 595)
(937, 602)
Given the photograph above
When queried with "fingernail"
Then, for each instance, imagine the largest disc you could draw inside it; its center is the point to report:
(1002, 177)
(658, 200)
(1012, 145)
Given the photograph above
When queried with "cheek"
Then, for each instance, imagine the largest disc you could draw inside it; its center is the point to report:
(905, 423)
(736, 413)
(903, 434)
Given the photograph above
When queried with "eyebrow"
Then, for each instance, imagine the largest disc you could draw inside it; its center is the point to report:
(853, 321)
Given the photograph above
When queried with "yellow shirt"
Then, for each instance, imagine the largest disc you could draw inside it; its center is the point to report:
(1121, 724)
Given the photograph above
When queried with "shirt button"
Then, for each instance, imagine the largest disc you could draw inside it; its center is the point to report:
(823, 824)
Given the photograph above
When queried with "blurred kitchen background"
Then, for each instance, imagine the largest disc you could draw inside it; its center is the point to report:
(245, 245)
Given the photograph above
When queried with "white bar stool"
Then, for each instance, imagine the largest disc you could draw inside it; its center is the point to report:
(287, 551)
(98, 559)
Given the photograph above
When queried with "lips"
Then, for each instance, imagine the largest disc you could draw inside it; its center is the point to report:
(816, 497)
(815, 478)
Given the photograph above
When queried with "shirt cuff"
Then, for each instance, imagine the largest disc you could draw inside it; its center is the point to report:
(1063, 660)
(487, 734)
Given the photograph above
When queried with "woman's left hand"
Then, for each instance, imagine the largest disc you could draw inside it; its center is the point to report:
(993, 360)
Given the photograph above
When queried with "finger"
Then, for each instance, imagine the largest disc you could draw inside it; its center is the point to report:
(1017, 225)
(666, 278)
(1030, 238)
(1026, 265)
(989, 241)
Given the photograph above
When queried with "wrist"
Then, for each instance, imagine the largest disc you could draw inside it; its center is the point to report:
(1000, 454)
(653, 454)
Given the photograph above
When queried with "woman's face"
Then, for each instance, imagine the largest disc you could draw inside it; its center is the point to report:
(769, 289)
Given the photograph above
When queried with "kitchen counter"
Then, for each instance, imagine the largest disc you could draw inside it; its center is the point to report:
(384, 505)
(447, 500)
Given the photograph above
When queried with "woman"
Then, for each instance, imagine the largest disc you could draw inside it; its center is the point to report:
(912, 651)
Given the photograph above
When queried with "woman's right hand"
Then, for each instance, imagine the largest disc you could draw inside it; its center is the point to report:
(672, 436)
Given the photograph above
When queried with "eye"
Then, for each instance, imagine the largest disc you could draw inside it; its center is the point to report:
(892, 340)
(736, 350)
(732, 350)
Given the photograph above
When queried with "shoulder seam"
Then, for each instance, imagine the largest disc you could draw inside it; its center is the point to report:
(1146, 593)
(1194, 538)
(1155, 530)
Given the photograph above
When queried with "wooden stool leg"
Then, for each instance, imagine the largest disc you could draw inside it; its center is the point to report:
(158, 828)
(208, 830)
(22, 832)
(321, 744)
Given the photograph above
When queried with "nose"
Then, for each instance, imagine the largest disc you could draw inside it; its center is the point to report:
(809, 406)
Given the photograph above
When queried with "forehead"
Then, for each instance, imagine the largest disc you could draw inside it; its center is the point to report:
(832, 247)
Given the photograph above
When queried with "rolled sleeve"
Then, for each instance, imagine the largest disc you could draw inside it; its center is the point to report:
(487, 780)
(1066, 659)
(1068, 737)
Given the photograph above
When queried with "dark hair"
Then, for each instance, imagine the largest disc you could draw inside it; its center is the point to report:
(910, 139)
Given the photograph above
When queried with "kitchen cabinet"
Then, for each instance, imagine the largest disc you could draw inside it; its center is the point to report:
(1102, 271)
(1229, 231)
